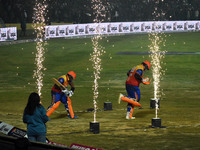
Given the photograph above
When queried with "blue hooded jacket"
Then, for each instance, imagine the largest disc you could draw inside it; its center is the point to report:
(36, 122)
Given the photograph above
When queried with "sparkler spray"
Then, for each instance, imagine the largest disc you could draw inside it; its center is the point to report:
(38, 25)
(156, 59)
(99, 13)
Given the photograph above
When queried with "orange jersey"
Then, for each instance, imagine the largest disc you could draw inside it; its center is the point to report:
(131, 78)
(63, 80)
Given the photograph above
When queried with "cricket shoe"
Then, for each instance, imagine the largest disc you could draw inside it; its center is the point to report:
(75, 117)
(127, 117)
(119, 99)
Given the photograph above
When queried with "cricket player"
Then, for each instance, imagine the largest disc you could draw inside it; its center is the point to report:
(135, 77)
(59, 95)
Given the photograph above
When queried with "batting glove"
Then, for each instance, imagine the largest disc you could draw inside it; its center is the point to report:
(70, 93)
(65, 91)
(146, 80)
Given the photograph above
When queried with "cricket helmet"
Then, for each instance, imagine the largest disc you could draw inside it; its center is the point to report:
(147, 64)
(72, 73)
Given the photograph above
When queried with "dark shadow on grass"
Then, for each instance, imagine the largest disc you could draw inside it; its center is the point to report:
(60, 116)
(114, 130)
(143, 113)
(64, 115)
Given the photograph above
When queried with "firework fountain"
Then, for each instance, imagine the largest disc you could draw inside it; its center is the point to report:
(156, 55)
(99, 13)
(38, 25)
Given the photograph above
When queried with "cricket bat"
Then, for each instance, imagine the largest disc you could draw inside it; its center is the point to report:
(62, 87)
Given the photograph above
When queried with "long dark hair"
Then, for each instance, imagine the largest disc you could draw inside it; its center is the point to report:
(33, 102)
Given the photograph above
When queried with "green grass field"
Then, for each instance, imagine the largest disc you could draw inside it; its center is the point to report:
(179, 105)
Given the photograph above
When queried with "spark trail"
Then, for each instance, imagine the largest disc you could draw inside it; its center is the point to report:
(99, 13)
(38, 25)
(156, 60)
(95, 58)
(156, 54)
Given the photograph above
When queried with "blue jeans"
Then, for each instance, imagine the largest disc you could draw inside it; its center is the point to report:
(37, 138)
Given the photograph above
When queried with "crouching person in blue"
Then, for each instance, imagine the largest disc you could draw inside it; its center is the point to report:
(35, 117)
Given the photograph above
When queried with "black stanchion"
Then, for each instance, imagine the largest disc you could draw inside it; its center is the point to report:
(94, 127)
(107, 106)
(156, 123)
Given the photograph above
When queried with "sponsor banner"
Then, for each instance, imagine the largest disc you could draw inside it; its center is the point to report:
(16, 132)
(168, 26)
(118, 27)
(5, 128)
(71, 30)
(58, 144)
(102, 28)
(179, 26)
(47, 31)
(51, 31)
(136, 27)
(12, 33)
(61, 31)
(7, 34)
(80, 29)
(91, 29)
(197, 26)
(158, 26)
(83, 147)
(11, 130)
(147, 26)
(190, 26)
(125, 27)
(113, 27)
(3, 34)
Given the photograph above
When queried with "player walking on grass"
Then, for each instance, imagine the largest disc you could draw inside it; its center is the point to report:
(135, 77)
(59, 95)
